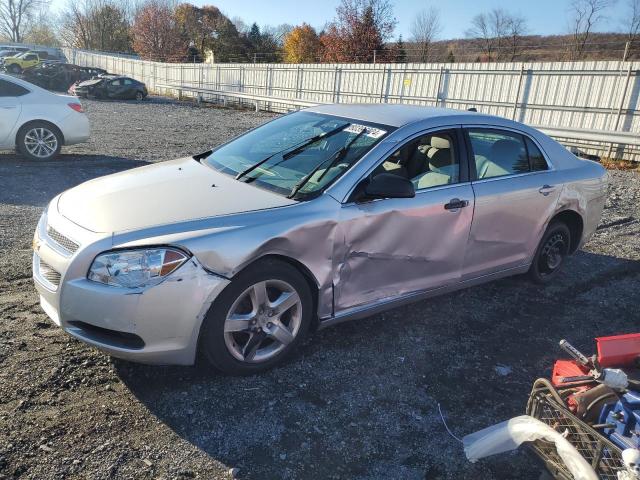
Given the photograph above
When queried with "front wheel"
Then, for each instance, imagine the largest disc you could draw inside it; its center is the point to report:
(139, 96)
(15, 69)
(39, 141)
(258, 320)
(551, 253)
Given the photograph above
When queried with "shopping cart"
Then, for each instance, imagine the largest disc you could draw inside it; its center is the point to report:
(546, 403)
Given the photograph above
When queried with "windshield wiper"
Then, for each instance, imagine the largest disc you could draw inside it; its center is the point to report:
(335, 158)
(291, 151)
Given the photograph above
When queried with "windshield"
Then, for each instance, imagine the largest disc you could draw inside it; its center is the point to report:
(298, 154)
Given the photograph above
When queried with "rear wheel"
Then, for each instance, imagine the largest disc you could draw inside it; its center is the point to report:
(551, 254)
(39, 141)
(258, 320)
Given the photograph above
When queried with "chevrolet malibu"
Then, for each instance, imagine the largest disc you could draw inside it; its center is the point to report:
(321, 216)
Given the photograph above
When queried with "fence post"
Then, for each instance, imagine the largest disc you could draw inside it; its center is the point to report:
(268, 87)
(181, 83)
(437, 102)
(155, 78)
(388, 85)
(626, 51)
(298, 82)
(374, 56)
(517, 99)
(337, 80)
(621, 106)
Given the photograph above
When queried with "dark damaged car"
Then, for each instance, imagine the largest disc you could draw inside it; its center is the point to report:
(59, 76)
(114, 87)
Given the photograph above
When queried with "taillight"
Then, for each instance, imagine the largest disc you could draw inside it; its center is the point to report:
(76, 106)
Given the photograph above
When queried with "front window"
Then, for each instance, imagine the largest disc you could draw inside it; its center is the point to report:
(430, 160)
(297, 155)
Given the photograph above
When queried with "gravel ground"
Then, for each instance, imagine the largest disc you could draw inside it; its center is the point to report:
(358, 401)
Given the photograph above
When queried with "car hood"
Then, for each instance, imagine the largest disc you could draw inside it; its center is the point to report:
(161, 194)
(89, 83)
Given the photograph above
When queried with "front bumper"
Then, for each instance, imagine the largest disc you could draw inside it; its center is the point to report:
(158, 324)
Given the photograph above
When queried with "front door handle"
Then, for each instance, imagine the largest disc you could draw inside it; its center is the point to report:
(546, 189)
(455, 204)
(8, 107)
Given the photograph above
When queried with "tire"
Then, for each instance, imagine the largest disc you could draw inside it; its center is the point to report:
(242, 335)
(139, 96)
(39, 141)
(15, 69)
(551, 253)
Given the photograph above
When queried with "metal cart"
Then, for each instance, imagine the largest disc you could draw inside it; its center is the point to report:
(547, 405)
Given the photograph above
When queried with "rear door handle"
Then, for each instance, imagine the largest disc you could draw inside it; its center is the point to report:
(546, 189)
(455, 204)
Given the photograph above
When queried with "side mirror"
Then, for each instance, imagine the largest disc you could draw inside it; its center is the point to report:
(388, 185)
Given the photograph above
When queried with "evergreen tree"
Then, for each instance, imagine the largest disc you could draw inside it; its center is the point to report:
(255, 37)
(400, 51)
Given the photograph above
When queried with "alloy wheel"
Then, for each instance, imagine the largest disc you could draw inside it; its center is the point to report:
(41, 142)
(262, 321)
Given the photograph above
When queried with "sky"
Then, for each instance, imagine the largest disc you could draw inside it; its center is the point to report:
(544, 17)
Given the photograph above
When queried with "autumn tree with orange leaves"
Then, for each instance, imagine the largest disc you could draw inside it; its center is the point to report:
(156, 35)
(302, 45)
(360, 28)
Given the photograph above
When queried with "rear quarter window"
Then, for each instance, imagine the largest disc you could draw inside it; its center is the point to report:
(536, 158)
(9, 89)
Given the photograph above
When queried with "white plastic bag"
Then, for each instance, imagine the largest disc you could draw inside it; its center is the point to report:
(509, 435)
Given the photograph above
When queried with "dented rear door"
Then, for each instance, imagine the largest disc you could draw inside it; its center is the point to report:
(391, 247)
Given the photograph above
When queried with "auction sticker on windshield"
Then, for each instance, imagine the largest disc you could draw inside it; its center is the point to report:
(371, 132)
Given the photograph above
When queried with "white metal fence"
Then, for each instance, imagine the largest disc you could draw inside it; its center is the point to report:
(592, 105)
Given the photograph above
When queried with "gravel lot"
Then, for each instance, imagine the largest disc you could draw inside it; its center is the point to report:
(358, 401)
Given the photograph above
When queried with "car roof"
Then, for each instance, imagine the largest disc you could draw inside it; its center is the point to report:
(397, 115)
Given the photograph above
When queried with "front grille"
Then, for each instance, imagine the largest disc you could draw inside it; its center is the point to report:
(49, 274)
(65, 242)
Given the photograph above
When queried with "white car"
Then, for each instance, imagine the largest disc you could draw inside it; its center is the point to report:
(37, 122)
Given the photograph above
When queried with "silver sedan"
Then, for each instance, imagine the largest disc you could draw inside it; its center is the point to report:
(317, 217)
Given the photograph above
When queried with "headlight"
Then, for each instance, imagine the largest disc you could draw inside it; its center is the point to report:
(135, 268)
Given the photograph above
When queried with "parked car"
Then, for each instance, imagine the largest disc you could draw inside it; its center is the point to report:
(13, 48)
(18, 63)
(324, 215)
(110, 86)
(59, 76)
(8, 53)
(38, 122)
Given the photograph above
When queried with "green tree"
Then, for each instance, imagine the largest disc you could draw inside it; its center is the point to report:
(399, 53)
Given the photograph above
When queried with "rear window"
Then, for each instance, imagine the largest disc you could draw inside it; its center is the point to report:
(9, 89)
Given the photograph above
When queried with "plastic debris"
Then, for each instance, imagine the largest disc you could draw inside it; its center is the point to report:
(509, 435)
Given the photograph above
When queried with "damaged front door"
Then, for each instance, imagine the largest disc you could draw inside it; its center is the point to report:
(387, 248)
